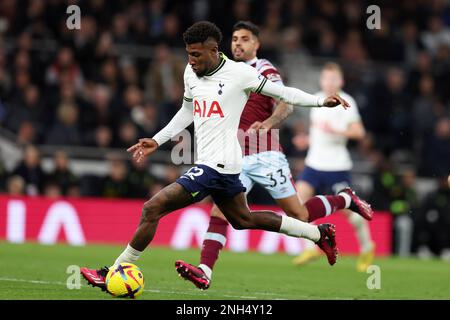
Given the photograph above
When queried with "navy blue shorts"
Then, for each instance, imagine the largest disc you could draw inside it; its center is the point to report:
(325, 182)
(201, 181)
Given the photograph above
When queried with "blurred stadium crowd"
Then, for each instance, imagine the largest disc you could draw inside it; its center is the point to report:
(120, 78)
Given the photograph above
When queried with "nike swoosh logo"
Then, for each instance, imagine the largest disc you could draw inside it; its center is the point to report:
(192, 87)
(193, 194)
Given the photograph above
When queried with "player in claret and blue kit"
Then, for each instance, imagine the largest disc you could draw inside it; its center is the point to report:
(216, 92)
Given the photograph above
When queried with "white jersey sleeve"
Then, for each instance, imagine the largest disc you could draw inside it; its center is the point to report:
(251, 79)
(255, 82)
(181, 120)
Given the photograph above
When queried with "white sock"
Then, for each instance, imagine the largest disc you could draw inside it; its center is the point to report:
(129, 255)
(207, 270)
(348, 199)
(296, 228)
(362, 231)
(309, 245)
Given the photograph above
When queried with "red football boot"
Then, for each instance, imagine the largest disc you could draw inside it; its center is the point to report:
(95, 278)
(358, 205)
(193, 274)
(327, 241)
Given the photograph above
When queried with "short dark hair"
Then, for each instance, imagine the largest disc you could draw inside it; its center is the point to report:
(247, 25)
(201, 31)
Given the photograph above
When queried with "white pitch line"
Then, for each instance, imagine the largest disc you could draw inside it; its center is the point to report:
(145, 290)
(225, 294)
(31, 281)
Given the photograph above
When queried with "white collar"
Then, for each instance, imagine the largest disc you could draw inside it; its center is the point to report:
(250, 62)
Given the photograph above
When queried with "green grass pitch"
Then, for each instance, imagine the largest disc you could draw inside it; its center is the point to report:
(32, 271)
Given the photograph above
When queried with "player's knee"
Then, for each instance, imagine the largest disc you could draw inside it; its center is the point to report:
(237, 225)
(151, 211)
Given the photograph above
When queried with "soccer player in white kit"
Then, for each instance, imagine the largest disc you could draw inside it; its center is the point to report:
(329, 133)
(264, 162)
(216, 91)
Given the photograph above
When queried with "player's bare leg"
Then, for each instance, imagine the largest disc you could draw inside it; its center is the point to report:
(314, 208)
(236, 211)
(169, 199)
(305, 191)
(239, 215)
(215, 240)
(215, 237)
(293, 207)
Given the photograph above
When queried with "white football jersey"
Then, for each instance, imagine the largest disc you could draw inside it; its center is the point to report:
(218, 100)
(215, 101)
(328, 151)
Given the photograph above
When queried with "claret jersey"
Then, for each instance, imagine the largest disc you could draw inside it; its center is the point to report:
(259, 108)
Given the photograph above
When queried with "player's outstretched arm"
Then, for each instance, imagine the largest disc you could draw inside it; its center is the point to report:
(335, 100)
(147, 146)
(143, 148)
(251, 80)
(300, 98)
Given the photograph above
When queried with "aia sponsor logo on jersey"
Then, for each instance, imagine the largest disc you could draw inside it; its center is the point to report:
(207, 110)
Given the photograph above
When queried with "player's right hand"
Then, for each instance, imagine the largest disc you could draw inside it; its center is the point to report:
(334, 100)
(257, 125)
(143, 148)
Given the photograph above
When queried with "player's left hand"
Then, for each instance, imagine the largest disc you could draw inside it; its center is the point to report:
(143, 148)
(257, 125)
(334, 100)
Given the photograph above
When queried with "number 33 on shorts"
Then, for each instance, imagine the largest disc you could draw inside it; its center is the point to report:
(277, 177)
(279, 183)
